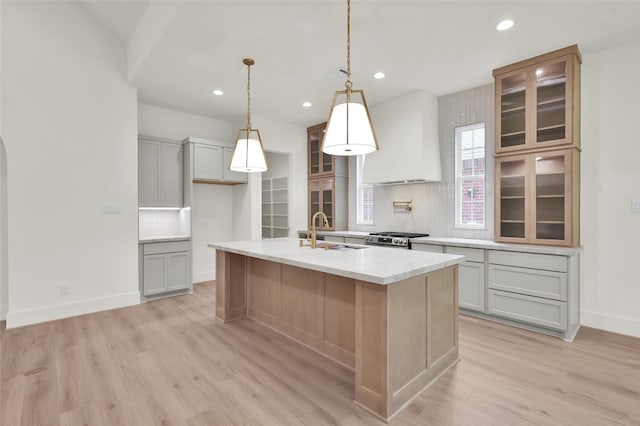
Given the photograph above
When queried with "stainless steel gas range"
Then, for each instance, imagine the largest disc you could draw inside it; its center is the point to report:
(392, 239)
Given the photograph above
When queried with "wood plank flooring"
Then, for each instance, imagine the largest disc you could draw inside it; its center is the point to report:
(169, 362)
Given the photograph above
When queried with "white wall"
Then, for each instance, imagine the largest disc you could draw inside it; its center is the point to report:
(610, 287)
(69, 126)
(283, 138)
(211, 210)
(177, 125)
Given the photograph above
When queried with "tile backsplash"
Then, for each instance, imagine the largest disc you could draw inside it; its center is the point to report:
(159, 222)
(434, 203)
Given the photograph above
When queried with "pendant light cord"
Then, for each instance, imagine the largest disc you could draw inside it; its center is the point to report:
(348, 83)
(248, 97)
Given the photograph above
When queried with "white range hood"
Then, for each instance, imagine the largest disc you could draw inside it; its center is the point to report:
(407, 132)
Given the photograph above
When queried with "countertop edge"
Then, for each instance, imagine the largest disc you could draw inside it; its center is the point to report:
(492, 245)
(163, 239)
(386, 280)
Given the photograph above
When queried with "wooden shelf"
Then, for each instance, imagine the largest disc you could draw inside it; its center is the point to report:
(506, 135)
(557, 126)
(511, 221)
(551, 222)
(512, 197)
(553, 100)
(549, 196)
(520, 108)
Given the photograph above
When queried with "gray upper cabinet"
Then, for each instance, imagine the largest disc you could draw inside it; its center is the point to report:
(207, 162)
(211, 162)
(228, 175)
(160, 171)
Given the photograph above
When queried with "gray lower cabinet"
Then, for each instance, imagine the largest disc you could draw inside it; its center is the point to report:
(536, 291)
(166, 268)
(471, 278)
(160, 173)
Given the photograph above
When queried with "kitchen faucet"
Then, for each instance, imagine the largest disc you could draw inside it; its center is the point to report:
(313, 227)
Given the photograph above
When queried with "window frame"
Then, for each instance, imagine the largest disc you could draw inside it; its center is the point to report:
(458, 178)
(360, 159)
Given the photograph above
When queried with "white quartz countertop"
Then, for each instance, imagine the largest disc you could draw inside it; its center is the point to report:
(163, 238)
(492, 245)
(378, 265)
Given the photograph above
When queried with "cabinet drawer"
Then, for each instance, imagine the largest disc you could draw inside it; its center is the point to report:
(471, 254)
(168, 247)
(534, 282)
(334, 239)
(427, 247)
(548, 262)
(354, 240)
(534, 310)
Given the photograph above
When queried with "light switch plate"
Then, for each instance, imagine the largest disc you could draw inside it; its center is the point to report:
(635, 206)
(111, 208)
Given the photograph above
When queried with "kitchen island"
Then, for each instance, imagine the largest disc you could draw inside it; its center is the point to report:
(388, 314)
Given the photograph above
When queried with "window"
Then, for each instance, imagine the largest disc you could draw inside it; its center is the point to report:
(364, 203)
(470, 183)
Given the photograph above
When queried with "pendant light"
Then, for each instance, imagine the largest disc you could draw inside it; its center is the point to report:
(349, 129)
(248, 155)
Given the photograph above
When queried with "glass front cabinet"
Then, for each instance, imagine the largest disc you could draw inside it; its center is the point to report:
(536, 199)
(538, 102)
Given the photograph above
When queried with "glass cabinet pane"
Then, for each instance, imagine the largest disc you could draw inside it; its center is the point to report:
(512, 199)
(550, 197)
(314, 156)
(551, 86)
(513, 110)
(327, 163)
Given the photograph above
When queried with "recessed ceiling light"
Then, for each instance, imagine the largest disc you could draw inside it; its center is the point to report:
(379, 75)
(539, 72)
(504, 25)
(306, 104)
(217, 92)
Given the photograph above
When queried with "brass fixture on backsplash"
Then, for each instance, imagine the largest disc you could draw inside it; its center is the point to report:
(403, 205)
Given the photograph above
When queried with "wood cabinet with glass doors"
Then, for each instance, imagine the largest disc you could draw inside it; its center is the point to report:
(328, 182)
(537, 200)
(538, 102)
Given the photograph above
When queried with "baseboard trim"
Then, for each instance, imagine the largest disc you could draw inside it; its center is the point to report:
(199, 277)
(613, 323)
(3, 312)
(54, 312)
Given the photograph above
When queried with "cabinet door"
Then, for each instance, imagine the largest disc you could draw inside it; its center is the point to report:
(178, 271)
(154, 274)
(322, 198)
(471, 286)
(512, 198)
(427, 247)
(552, 191)
(319, 163)
(207, 161)
(511, 106)
(315, 198)
(553, 113)
(148, 173)
(171, 175)
(227, 174)
(328, 200)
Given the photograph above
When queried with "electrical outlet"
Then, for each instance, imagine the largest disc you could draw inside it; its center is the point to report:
(65, 290)
(635, 206)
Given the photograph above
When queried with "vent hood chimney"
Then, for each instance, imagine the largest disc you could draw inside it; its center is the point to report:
(407, 132)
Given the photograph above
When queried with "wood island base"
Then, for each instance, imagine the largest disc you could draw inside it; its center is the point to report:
(398, 338)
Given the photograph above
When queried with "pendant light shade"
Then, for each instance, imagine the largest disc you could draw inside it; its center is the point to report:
(248, 154)
(349, 129)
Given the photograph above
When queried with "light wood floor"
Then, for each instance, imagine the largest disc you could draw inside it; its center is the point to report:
(169, 362)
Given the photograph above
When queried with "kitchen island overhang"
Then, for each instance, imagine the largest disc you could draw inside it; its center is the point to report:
(388, 314)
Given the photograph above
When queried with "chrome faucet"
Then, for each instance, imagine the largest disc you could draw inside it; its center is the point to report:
(325, 222)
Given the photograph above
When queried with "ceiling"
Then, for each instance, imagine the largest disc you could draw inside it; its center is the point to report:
(438, 46)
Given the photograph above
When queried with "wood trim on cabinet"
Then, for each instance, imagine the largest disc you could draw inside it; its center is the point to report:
(569, 50)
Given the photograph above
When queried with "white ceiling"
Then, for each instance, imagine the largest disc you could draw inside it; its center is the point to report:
(438, 46)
